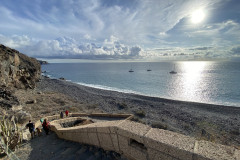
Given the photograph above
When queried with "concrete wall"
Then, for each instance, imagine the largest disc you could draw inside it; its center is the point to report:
(141, 142)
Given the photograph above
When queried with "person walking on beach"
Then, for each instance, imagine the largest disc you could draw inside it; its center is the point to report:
(66, 112)
(46, 126)
(31, 127)
(61, 115)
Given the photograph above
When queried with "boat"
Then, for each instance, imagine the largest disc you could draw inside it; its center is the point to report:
(173, 71)
(149, 69)
(131, 70)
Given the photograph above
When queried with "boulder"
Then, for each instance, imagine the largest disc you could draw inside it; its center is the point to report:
(7, 99)
(31, 101)
(16, 108)
(22, 117)
(61, 78)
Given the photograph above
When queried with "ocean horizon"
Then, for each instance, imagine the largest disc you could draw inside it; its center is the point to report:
(212, 82)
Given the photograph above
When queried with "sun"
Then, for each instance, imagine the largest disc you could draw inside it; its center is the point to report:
(197, 16)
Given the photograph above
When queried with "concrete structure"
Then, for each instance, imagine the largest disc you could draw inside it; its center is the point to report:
(138, 141)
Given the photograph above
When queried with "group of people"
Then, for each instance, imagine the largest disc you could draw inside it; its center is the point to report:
(32, 130)
(66, 113)
(45, 125)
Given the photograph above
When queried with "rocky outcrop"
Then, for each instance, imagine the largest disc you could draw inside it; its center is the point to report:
(18, 70)
(42, 62)
(7, 99)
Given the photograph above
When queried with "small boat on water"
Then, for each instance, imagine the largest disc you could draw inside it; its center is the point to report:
(149, 69)
(131, 70)
(173, 71)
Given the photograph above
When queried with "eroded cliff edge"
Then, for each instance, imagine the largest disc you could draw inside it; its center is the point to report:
(18, 70)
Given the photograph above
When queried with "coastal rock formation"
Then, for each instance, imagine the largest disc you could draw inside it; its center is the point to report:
(18, 70)
(42, 62)
(7, 99)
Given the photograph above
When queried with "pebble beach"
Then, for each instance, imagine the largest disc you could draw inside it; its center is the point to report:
(216, 123)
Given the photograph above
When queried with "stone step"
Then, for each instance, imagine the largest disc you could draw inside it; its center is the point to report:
(51, 147)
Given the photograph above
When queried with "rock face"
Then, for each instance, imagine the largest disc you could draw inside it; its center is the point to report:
(7, 99)
(18, 70)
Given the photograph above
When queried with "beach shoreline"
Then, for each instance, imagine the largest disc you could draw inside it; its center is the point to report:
(210, 122)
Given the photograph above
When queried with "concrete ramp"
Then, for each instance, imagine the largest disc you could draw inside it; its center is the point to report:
(141, 142)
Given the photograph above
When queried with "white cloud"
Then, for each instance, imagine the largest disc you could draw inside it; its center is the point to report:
(235, 51)
(87, 36)
(66, 46)
(115, 29)
(15, 41)
(133, 24)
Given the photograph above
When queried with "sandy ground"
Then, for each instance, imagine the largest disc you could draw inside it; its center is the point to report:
(215, 123)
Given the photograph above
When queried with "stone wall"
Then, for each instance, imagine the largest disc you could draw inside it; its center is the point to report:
(141, 142)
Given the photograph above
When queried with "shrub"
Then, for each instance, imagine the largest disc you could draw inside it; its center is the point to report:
(122, 105)
(10, 135)
(235, 131)
(159, 125)
(73, 109)
(92, 106)
(140, 113)
(136, 119)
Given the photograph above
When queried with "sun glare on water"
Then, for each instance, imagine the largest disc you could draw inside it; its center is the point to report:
(191, 84)
(197, 16)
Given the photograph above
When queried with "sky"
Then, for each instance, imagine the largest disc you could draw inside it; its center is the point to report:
(122, 29)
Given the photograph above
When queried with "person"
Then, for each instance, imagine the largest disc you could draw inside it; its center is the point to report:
(46, 126)
(31, 127)
(41, 120)
(61, 115)
(66, 112)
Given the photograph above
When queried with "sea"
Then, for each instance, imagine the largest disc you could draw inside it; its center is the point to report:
(213, 82)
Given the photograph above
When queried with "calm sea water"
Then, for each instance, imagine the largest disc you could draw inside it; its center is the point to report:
(197, 81)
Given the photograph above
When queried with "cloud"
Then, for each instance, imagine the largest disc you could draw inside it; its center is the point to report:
(67, 47)
(64, 47)
(15, 41)
(235, 51)
(135, 22)
(201, 48)
(225, 33)
(135, 51)
(117, 29)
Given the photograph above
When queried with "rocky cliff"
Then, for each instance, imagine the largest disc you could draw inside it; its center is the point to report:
(18, 70)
